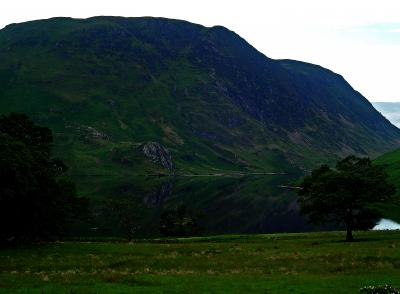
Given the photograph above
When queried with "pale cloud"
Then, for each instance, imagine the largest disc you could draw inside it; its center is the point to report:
(307, 30)
(395, 30)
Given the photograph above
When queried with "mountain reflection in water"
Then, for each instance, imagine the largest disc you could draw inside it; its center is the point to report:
(250, 204)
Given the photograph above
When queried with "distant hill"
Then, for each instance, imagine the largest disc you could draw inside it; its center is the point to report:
(152, 95)
(391, 110)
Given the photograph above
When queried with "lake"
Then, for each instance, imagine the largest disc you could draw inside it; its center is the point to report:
(224, 204)
(245, 204)
(386, 224)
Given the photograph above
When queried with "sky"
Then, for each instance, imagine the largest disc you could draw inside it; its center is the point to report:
(359, 39)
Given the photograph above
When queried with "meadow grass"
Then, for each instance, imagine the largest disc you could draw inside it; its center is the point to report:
(274, 263)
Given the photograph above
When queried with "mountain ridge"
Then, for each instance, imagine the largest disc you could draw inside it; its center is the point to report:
(106, 85)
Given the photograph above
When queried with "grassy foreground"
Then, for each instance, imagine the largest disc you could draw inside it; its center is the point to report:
(278, 263)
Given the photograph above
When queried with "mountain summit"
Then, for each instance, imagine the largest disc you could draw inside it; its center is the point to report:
(203, 98)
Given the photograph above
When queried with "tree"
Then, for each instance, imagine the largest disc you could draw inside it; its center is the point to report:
(35, 203)
(345, 195)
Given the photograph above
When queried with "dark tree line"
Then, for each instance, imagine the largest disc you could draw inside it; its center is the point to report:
(36, 203)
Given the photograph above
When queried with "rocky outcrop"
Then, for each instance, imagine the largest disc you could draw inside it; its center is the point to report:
(159, 154)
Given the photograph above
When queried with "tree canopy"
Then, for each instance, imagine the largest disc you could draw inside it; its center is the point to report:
(346, 194)
(35, 202)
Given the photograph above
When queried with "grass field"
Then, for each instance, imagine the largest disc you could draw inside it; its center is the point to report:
(277, 263)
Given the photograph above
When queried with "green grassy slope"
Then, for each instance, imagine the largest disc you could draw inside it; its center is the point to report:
(391, 162)
(107, 84)
(279, 263)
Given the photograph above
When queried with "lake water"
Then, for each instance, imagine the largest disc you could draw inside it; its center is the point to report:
(252, 204)
(386, 224)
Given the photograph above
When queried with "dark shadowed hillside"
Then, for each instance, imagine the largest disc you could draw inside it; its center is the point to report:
(145, 95)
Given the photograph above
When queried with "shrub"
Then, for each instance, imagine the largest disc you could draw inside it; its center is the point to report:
(381, 289)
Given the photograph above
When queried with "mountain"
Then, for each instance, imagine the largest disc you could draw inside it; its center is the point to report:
(152, 95)
(391, 110)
